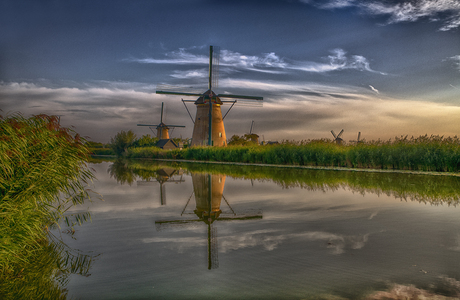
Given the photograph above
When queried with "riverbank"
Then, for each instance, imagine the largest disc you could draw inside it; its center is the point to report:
(422, 154)
(456, 174)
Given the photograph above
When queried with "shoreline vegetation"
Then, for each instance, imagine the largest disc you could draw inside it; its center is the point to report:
(422, 154)
(43, 174)
(428, 189)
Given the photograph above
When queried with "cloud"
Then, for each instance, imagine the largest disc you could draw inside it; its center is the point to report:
(456, 59)
(337, 61)
(252, 62)
(374, 89)
(231, 62)
(292, 110)
(179, 57)
(337, 4)
(447, 11)
(198, 73)
(456, 247)
(373, 215)
(268, 239)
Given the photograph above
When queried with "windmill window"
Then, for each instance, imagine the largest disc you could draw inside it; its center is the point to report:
(220, 134)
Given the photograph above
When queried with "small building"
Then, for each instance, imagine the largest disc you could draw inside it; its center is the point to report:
(167, 144)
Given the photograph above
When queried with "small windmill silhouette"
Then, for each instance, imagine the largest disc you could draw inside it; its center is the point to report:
(337, 138)
(358, 141)
(163, 176)
(162, 128)
(254, 137)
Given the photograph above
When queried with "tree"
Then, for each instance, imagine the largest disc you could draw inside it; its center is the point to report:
(122, 141)
(243, 140)
(145, 141)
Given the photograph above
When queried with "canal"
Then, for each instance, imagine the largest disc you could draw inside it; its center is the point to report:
(189, 231)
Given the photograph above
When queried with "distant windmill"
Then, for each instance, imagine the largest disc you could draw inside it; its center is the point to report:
(162, 128)
(358, 141)
(209, 124)
(254, 137)
(208, 190)
(337, 138)
(162, 176)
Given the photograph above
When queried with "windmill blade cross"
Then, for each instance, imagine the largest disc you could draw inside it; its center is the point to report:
(174, 125)
(150, 125)
(333, 133)
(178, 93)
(340, 134)
(215, 66)
(240, 97)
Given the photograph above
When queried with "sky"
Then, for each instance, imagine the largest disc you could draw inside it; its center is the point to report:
(384, 68)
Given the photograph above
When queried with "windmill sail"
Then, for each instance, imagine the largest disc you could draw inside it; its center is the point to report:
(215, 67)
(162, 128)
(337, 138)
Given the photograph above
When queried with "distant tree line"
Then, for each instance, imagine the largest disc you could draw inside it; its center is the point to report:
(124, 140)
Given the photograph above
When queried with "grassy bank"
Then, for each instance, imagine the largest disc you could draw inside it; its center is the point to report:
(424, 153)
(42, 174)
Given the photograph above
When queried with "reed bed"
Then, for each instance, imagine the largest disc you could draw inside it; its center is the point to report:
(424, 153)
(42, 174)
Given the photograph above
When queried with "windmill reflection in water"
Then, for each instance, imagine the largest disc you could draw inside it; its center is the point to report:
(208, 190)
(163, 176)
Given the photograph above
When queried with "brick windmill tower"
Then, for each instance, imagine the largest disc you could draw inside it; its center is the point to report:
(209, 124)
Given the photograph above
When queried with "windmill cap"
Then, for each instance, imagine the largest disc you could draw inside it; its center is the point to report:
(207, 95)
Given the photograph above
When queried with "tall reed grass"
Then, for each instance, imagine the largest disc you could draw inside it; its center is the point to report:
(424, 153)
(42, 174)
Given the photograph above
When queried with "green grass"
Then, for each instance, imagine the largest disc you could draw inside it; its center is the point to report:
(101, 151)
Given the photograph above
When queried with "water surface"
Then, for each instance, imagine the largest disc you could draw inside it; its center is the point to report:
(194, 231)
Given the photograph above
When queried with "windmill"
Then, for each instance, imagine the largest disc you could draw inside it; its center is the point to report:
(162, 176)
(209, 124)
(358, 141)
(254, 137)
(208, 190)
(162, 128)
(337, 137)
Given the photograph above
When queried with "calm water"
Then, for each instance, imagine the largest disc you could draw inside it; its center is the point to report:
(170, 233)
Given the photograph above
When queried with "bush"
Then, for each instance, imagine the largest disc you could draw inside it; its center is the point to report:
(122, 141)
